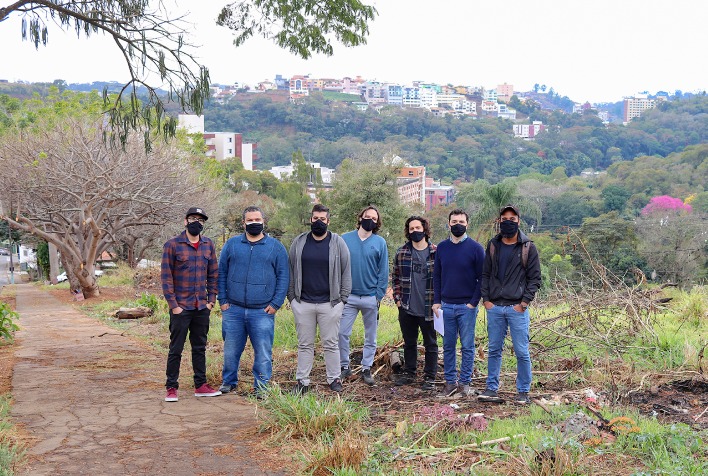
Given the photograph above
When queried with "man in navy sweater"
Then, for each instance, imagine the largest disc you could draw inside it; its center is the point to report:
(456, 284)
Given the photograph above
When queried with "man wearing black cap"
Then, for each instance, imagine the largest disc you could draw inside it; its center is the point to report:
(510, 278)
(189, 279)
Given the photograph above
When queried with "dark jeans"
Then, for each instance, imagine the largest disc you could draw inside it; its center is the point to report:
(409, 329)
(196, 322)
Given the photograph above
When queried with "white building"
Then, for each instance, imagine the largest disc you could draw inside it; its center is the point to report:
(282, 172)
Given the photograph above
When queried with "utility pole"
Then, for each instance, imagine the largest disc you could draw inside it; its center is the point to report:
(12, 250)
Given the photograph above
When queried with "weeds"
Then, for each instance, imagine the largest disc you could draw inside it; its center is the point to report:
(11, 449)
(309, 416)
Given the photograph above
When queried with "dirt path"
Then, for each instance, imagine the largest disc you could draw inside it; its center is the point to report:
(92, 401)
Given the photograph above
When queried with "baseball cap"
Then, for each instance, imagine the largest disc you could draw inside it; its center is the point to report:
(509, 207)
(196, 211)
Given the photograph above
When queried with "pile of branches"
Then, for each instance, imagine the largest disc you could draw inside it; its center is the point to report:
(602, 310)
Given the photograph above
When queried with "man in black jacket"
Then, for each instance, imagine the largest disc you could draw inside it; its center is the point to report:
(510, 278)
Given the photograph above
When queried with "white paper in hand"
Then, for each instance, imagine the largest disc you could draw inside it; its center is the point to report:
(438, 322)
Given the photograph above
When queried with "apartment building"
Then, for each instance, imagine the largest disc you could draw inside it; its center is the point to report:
(411, 185)
(528, 131)
(220, 145)
(634, 106)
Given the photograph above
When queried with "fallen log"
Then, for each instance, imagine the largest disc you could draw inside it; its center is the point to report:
(133, 312)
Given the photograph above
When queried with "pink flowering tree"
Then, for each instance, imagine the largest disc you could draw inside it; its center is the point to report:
(665, 203)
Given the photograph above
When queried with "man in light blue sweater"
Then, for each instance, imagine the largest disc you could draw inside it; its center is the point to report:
(369, 267)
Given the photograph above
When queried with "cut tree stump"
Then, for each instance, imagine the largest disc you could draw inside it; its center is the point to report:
(133, 312)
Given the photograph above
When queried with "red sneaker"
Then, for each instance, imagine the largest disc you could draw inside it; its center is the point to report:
(171, 395)
(206, 391)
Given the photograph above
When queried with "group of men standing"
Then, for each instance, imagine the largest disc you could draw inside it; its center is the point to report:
(329, 279)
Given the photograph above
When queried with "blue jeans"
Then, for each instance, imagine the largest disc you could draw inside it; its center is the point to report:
(239, 323)
(499, 318)
(460, 321)
(369, 313)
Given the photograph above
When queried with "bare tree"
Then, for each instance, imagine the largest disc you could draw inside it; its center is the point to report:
(63, 184)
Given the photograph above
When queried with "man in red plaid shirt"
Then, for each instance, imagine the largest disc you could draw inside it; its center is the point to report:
(189, 273)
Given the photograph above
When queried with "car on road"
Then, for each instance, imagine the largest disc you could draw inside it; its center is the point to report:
(4, 252)
(63, 277)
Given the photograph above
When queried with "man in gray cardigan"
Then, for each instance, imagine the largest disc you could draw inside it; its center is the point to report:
(320, 283)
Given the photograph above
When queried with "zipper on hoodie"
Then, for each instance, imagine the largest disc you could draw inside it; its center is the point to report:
(248, 273)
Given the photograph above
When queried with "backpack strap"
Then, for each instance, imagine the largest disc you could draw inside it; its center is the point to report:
(524, 252)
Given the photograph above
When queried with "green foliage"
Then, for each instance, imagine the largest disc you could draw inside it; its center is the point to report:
(43, 257)
(7, 321)
(148, 300)
(11, 449)
(303, 27)
(362, 182)
(615, 198)
(309, 416)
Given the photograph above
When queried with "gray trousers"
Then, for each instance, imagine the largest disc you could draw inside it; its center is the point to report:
(369, 313)
(307, 317)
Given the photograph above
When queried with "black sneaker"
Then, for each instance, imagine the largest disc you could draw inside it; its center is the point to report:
(449, 389)
(522, 398)
(404, 379)
(366, 377)
(428, 384)
(336, 385)
(346, 373)
(300, 388)
(490, 396)
(227, 388)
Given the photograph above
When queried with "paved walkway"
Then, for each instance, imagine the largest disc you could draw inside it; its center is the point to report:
(93, 402)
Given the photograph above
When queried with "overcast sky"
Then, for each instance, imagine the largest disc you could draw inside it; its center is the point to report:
(597, 50)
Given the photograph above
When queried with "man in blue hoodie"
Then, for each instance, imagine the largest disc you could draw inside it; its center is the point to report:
(369, 265)
(456, 291)
(253, 281)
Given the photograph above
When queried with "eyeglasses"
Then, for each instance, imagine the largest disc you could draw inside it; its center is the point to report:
(193, 219)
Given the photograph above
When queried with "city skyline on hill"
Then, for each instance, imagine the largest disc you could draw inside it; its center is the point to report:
(597, 52)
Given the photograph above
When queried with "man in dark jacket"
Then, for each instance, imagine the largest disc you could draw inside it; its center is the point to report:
(510, 279)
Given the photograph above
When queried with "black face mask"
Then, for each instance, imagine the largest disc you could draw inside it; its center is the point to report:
(368, 224)
(458, 230)
(318, 228)
(254, 229)
(417, 236)
(508, 228)
(194, 228)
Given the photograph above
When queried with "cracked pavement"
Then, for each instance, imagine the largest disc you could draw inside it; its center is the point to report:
(92, 402)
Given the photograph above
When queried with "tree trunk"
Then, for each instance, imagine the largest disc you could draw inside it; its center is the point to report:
(81, 279)
(74, 283)
(53, 263)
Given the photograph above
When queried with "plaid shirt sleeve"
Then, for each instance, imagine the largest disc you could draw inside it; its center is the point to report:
(166, 274)
(212, 275)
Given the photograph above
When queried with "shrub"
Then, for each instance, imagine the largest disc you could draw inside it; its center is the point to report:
(7, 321)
